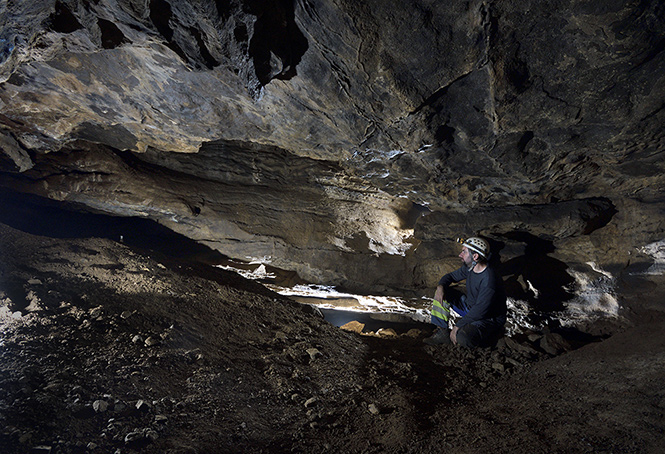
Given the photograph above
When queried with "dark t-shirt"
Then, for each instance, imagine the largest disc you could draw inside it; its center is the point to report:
(485, 295)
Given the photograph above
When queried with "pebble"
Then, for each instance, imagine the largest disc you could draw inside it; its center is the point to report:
(139, 435)
(373, 409)
(314, 353)
(100, 406)
(523, 348)
(151, 342)
(514, 362)
(151, 434)
(554, 344)
(119, 407)
(310, 402)
(34, 300)
(136, 339)
(498, 367)
(96, 312)
(142, 405)
(24, 438)
(133, 436)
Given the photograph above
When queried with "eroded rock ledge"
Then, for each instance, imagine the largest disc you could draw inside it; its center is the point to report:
(350, 142)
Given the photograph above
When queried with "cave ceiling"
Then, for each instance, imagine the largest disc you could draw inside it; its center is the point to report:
(348, 141)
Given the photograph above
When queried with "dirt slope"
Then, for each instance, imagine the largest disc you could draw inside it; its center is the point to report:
(105, 348)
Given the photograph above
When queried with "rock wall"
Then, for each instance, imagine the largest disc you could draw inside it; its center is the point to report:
(351, 142)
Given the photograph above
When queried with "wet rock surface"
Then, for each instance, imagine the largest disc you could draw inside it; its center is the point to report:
(238, 368)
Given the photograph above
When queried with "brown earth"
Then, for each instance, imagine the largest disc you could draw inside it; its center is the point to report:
(107, 348)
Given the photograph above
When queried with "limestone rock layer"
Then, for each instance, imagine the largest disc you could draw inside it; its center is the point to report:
(352, 142)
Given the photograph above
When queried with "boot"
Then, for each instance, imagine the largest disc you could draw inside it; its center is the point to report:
(440, 337)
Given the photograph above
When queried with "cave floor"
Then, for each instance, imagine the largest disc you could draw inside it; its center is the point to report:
(107, 348)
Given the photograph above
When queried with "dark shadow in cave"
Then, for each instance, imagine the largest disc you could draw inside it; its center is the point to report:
(535, 269)
(44, 217)
(277, 44)
(547, 278)
(545, 274)
(63, 20)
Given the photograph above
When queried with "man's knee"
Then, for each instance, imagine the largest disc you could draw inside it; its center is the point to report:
(469, 336)
(472, 336)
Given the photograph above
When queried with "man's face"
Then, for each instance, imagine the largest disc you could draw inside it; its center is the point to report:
(466, 256)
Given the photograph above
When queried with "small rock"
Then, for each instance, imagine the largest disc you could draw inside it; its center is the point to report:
(373, 409)
(34, 282)
(137, 339)
(96, 312)
(160, 418)
(151, 435)
(42, 449)
(119, 407)
(142, 405)
(314, 353)
(133, 436)
(151, 341)
(100, 406)
(514, 362)
(386, 332)
(353, 326)
(34, 300)
(498, 367)
(413, 333)
(554, 344)
(24, 438)
(310, 402)
(534, 337)
(126, 314)
(516, 346)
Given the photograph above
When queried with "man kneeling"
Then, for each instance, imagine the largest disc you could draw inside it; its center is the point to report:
(483, 308)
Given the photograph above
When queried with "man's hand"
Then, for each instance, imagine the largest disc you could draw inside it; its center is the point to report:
(438, 295)
(453, 335)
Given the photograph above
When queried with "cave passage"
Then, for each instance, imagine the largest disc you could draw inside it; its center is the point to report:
(44, 217)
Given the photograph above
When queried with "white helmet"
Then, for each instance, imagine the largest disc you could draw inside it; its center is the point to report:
(476, 245)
